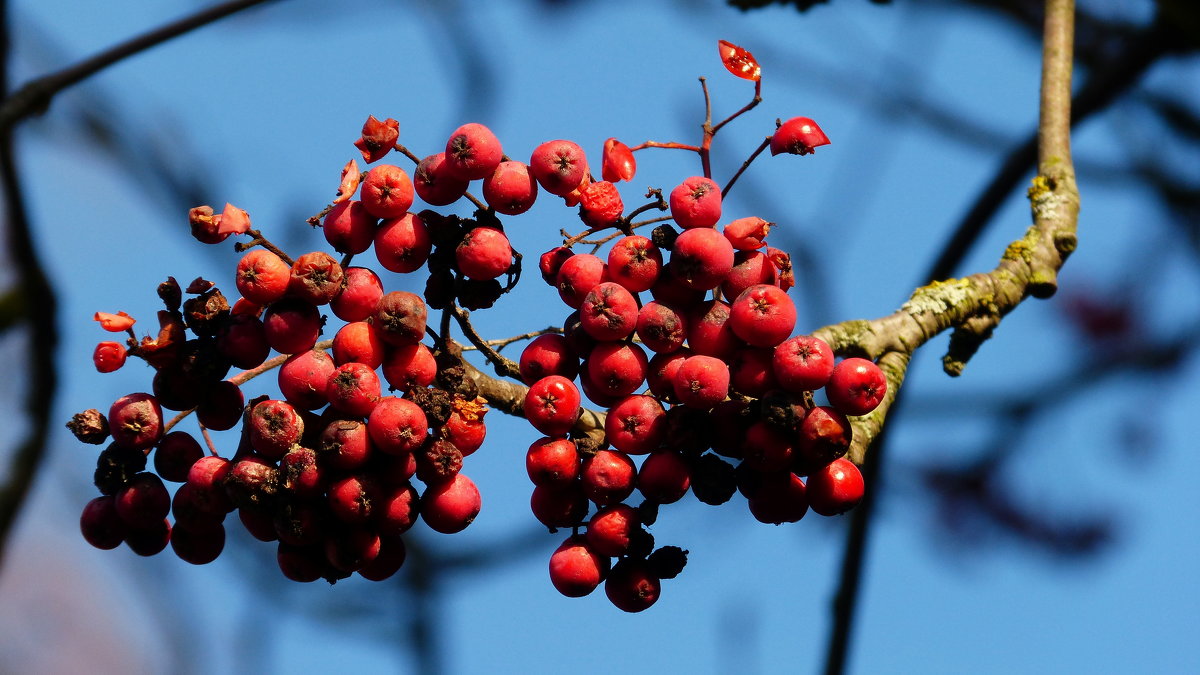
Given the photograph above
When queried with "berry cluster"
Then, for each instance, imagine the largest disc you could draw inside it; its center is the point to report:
(327, 470)
(723, 373)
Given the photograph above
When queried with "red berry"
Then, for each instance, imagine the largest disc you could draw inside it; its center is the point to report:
(387, 192)
(344, 445)
(552, 405)
(292, 325)
(175, 454)
(354, 389)
(262, 277)
(450, 506)
(856, 386)
(600, 204)
(803, 363)
(100, 524)
(358, 341)
(608, 477)
(409, 367)
(709, 331)
(660, 373)
(149, 541)
(661, 329)
(400, 318)
(750, 371)
(398, 426)
(274, 427)
(635, 262)
(701, 258)
(303, 377)
(766, 449)
(750, 268)
(558, 505)
(303, 564)
(702, 382)
(798, 136)
(763, 315)
(221, 406)
(316, 278)
(359, 297)
(434, 184)
(550, 262)
(135, 421)
(636, 425)
(348, 227)
(548, 354)
(747, 234)
(348, 550)
(108, 356)
(402, 244)
(616, 369)
(559, 166)
(609, 312)
(352, 498)
(552, 461)
(781, 498)
(473, 152)
(835, 488)
(206, 482)
(610, 530)
(510, 189)
(825, 435)
(483, 253)
(243, 341)
(392, 553)
(575, 569)
(664, 477)
(696, 203)
(577, 276)
(631, 586)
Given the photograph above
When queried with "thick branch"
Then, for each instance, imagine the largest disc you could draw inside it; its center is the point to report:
(509, 397)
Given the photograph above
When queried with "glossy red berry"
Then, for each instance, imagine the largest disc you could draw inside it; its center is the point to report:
(608, 477)
(664, 477)
(835, 488)
(609, 531)
(548, 354)
(762, 315)
(552, 461)
(636, 425)
(100, 524)
(856, 387)
(631, 586)
(577, 276)
(450, 506)
(354, 389)
(398, 426)
(552, 405)
(262, 277)
(483, 253)
(575, 569)
(635, 262)
(135, 421)
(702, 381)
(303, 377)
(292, 325)
(108, 356)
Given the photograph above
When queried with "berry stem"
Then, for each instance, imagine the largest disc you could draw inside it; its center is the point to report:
(212, 447)
(257, 239)
(505, 367)
(501, 343)
(745, 165)
(670, 145)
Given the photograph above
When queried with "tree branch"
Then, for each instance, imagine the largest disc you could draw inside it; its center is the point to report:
(35, 96)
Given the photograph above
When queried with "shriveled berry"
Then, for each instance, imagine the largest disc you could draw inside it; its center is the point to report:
(316, 278)
(400, 318)
(600, 204)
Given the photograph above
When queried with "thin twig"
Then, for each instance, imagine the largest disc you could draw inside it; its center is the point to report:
(501, 343)
(505, 367)
(746, 165)
(257, 239)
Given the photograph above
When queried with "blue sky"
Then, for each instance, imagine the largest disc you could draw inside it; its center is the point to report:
(265, 107)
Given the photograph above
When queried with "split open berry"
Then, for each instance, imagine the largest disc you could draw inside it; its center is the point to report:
(798, 136)
(747, 234)
(825, 435)
(617, 163)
